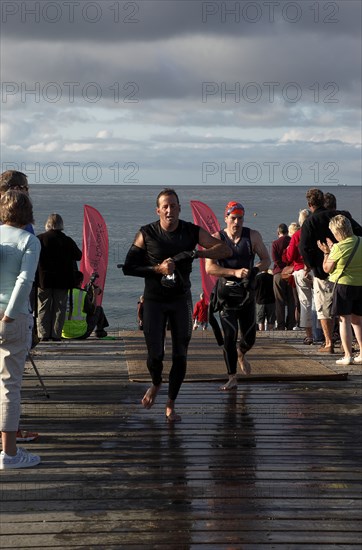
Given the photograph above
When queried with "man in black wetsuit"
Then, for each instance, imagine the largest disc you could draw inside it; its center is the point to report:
(162, 253)
(236, 297)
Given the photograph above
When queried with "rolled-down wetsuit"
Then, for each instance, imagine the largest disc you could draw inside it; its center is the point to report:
(165, 304)
(237, 313)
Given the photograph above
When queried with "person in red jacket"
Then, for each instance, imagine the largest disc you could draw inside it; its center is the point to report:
(302, 278)
(282, 290)
(200, 314)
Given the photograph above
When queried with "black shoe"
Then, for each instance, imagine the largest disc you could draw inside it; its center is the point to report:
(44, 339)
(101, 333)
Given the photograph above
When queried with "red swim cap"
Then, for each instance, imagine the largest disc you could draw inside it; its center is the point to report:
(235, 208)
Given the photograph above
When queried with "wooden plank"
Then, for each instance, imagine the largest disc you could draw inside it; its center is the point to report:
(267, 465)
(271, 361)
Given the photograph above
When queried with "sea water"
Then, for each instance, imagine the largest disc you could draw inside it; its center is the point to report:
(126, 208)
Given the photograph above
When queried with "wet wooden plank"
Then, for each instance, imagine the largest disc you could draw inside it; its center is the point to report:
(266, 466)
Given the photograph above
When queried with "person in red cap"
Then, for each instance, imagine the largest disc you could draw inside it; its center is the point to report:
(235, 293)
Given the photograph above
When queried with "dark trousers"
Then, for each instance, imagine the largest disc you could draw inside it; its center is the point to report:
(178, 314)
(231, 321)
(97, 321)
(283, 293)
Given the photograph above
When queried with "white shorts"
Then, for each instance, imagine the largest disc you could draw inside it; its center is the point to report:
(323, 297)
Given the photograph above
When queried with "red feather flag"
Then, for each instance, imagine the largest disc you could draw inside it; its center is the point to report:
(95, 248)
(205, 218)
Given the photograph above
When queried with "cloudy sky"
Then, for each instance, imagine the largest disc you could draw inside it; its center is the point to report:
(182, 92)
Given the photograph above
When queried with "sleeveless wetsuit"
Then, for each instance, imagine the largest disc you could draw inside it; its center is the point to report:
(164, 305)
(243, 317)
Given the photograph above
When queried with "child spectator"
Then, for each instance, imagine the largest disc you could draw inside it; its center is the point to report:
(200, 314)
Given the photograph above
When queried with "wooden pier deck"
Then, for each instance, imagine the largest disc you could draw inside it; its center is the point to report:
(272, 465)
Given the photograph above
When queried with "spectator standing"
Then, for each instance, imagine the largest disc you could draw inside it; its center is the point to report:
(302, 278)
(83, 315)
(200, 313)
(17, 181)
(265, 300)
(57, 267)
(19, 251)
(314, 229)
(282, 290)
(343, 261)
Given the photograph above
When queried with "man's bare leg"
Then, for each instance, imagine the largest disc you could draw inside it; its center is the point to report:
(171, 415)
(244, 364)
(149, 397)
(327, 327)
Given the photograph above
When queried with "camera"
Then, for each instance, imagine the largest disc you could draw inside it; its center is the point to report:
(169, 281)
(94, 277)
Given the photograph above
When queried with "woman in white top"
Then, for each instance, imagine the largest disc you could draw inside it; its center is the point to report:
(19, 253)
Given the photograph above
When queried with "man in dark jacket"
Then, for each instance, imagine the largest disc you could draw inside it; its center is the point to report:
(55, 276)
(316, 228)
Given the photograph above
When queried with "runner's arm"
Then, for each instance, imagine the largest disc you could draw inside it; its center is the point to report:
(136, 265)
(214, 248)
(260, 249)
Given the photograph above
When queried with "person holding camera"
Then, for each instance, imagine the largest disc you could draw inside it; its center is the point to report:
(167, 295)
(235, 289)
(83, 315)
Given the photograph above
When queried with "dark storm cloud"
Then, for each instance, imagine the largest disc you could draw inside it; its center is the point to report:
(146, 20)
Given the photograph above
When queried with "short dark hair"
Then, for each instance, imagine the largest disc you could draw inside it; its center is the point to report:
(315, 197)
(330, 201)
(16, 208)
(12, 179)
(167, 191)
(283, 229)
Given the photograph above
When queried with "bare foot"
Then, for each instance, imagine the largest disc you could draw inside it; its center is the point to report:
(244, 364)
(149, 397)
(231, 384)
(171, 415)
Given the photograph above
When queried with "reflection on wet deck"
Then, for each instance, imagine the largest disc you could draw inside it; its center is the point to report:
(271, 465)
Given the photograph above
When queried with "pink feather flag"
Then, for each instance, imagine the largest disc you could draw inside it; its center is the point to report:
(205, 218)
(95, 248)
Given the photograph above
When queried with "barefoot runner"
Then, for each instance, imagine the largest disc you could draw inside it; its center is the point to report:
(167, 295)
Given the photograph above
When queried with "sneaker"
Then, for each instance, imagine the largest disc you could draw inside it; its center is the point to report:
(297, 328)
(23, 436)
(22, 459)
(357, 360)
(345, 361)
